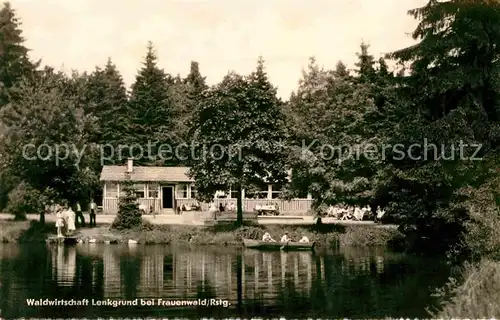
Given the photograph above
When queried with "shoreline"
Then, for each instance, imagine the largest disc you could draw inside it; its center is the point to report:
(327, 235)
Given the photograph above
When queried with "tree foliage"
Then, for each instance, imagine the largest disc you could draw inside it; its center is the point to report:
(450, 98)
(46, 140)
(151, 105)
(239, 127)
(129, 216)
(338, 131)
(14, 61)
(107, 99)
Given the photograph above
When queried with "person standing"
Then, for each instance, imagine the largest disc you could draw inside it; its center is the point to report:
(93, 209)
(70, 220)
(80, 219)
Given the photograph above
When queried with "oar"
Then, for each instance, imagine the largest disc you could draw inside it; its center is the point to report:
(284, 246)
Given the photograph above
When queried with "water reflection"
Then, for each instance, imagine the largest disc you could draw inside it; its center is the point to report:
(352, 282)
(64, 265)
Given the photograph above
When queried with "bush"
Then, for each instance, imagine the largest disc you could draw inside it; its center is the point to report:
(129, 216)
(25, 199)
(474, 295)
(483, 229)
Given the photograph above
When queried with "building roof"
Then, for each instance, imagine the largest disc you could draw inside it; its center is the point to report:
(146, 174)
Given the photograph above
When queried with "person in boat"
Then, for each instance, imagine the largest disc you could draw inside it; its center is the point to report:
(285, 238)
(304, 239)
(267, 237)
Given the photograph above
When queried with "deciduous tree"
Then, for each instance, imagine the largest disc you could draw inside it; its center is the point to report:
(46, 144)
(240, 126)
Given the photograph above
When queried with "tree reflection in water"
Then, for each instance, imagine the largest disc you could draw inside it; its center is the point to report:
(354, 283)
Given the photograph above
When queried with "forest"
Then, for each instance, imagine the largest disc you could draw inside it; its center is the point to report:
(444, 92)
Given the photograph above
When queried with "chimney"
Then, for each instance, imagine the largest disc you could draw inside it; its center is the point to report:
(130, 165)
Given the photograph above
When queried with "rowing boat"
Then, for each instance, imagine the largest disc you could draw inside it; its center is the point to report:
(289, 246)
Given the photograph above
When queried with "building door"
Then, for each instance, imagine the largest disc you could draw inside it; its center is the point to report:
(167, 197)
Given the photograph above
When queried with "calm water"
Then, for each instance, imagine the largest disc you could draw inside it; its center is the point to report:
(352, 282)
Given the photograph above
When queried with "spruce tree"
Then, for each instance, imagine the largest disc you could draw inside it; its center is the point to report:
(129, 216)
(450, 96)
(195, 79)
(151, 104)
(14, 61)
(341, 70)
(366, 64)
(107, 99)
(186, 95)
(383, 69)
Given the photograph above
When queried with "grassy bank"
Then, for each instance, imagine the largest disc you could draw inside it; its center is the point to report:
(477, 295)
(474, 294)
(323, 235)
(24, 231)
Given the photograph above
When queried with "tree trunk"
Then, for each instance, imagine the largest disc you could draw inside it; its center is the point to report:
(239, 208)
(42, 216)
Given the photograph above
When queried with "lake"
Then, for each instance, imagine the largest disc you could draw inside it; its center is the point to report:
(223, 281)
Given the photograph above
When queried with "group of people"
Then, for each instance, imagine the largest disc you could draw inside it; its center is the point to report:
(345, 213)
(67, 218)
(230, 207)
(65, 222)
(188, 207)
(284, 239)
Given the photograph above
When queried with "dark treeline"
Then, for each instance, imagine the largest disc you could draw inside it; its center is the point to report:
(444, 93)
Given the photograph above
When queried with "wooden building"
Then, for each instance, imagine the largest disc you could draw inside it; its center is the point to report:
(165, 188)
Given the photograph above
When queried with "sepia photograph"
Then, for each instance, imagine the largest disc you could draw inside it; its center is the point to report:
(249, 159)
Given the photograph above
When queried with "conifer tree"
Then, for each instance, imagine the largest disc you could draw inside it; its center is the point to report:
(107, 99)
(195, 79)
(152, 109)
(383, 69)
(14, 61)
(186, 95)
(129, 216)
(450, 96)
(341, 70)
(366, 64)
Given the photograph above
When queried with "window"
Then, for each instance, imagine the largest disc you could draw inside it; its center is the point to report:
(193, 192)
(276, 191)
(182, 191)
(234, 194)
(111, 190)
(139, 190)
(153, 191)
